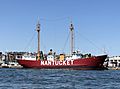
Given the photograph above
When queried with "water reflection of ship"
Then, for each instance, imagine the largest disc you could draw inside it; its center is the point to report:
(62, 61)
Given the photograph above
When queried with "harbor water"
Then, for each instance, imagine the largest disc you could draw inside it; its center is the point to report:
(58, 79)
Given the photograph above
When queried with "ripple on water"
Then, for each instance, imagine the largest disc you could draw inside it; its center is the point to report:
(58, 79)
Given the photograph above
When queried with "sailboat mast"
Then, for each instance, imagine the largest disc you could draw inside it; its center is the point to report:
(38, 30)
(72, 38)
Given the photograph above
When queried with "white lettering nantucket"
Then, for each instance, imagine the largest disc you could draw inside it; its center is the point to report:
(70, 62)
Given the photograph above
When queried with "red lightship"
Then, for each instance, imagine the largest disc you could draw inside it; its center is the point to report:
(76, 61)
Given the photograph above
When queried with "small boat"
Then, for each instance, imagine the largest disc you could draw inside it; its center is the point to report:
(76, 61)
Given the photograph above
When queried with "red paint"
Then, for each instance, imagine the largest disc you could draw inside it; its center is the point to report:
(95, 62)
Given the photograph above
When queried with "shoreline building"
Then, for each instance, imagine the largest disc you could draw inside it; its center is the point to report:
(114, 62)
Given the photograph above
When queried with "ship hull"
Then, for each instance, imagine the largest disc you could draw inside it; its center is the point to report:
(92, 63)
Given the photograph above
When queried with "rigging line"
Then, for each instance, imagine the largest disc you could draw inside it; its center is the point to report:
(43, 45)
(58, 19)
(28, 45)
(89, 41)
(66, 42)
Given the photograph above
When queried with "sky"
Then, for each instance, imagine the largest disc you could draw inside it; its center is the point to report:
(96, 25)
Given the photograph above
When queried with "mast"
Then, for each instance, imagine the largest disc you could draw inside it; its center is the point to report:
(38, 30)
(71, 38)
